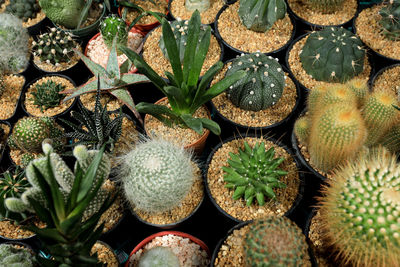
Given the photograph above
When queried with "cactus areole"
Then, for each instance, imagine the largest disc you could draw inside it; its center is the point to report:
(64, 12)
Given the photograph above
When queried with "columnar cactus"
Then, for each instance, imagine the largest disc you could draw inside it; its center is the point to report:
(157, 176)
(23, 9)
(260, 15)
(275, 241)
(333, 55)
(114, 27)
(47, 94)
(54, 47)
(159, 257)
(12, 256)
(200, 5)
(325, 6)
(390, 21)
(360, 210)
(263, 85)
(254, 173)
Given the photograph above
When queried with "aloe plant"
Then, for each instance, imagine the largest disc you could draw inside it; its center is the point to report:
(184, 91)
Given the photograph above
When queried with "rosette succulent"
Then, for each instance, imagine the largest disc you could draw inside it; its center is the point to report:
(47, 94)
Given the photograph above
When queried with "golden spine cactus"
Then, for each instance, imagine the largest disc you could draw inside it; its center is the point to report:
(337, 94)
(302, 129)
(314, 96)
(359, 88)
(391, 140)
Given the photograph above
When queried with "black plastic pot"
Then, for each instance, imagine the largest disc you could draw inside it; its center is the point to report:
(306, 232)
(38, 27)
(28, 240)
(3, 145)
(255, 135)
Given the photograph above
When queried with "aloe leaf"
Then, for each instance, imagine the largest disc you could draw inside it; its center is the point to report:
(112, 62)
(132, 78)
(172, 50)
(84, 13)
(95, 68)
(84, 89)
(211, 125)
(193, 123)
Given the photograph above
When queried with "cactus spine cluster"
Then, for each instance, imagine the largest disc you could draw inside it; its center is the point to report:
(390, 21)
(275, 241)
(254, 173)
(47, 94)
(333, 55)
(159, 257)
(12, 256)
(263, 85)
(156, 176)
(325, 6)
(114, 27)
(260, 15)
(360, 210)
(200, 5)
(23, 9)
(54, 47)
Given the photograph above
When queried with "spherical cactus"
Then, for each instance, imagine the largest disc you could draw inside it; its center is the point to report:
(54, 47)
(360, 210)
(260, 15)
(333, 55)
(23, 9)
(254, 173)
(263, 85)
(47, 94)
(275, 241)
(391, 140)
(114, 27)
(337, 133)
(157, 176)
(337, 94)
(390, 21)
(65, 13)
(11, 256)
(159, 257)
(302, 129)
(314, 97)
(325, 6)
(359, 88)
(200, 5)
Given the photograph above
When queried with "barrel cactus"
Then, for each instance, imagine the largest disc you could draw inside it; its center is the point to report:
(359, 88)
(263, 85)
(156, 175)
(23, 9)
(47, 94)
(301, 129)
(390, 21)
(360, 210)
(260, 15)
(254, 173)
(159, 257)
(13, 257)
(275, 241)
(200, 5)
(114, 27)
(337, 93)
(333, 55)
(325, 6)
(65, 13)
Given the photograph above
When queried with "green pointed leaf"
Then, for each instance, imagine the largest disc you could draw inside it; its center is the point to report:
(84, 89)
(133, 78)
(172, 50)
(239, 192)
(112, 62)
(211, 125)
(126, 66)
(260, 198)
(191, 46)
(47, 233)
(95, 68)
(84, 13)
(249, 201)
(193, 123)
(209, 75)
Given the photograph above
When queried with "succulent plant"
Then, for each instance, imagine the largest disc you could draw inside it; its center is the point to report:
(47, 94)
(254, 173)
(26, 158)
(325, 6)
(360, 210)
(23, 9)
(314, 96)
(359, 88)
(12, 257)
(29, 133)
(54, 47)
(391, 140)
(113, 27)
(159, 257)
(302, 129)
(337, 93)
(390, 21)
(15, 57)
(260, 15)
(333, 55)
(156, 175)
(200, 5)
(263, 85)
(275, 241)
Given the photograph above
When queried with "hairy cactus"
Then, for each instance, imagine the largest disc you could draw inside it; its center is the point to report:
(333, 55)
(253, 173)
(180, 30)
(325, 6)
(359, 88)
(23, 9)
(302, 129)
(159, 257)
(390, 21)
(263, 85)
(47, 94)
(54, 47)
(275, 241)
(157, 175)
(15, 57)
(65, 13)
(13, 257)
(200, 5)
(260, 15)
(337, 134)
(111, 27)
(360, 210)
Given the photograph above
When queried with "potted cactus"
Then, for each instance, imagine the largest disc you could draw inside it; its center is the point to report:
(17, 254)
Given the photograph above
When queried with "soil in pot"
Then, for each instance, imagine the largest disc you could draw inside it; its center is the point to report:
(343, 15)
(154, 56)
(388, 81)
(160, 6)
(285, 197)
(370, 32)
(178, 10)
(11, 230)
(3, 138)
(129, 137)
(89, 100)
(9, 98)
(36, 110)
(105, 254)
(235, 34)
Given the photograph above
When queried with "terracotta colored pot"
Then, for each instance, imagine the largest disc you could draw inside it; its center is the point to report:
(198, 145)
(163, 233)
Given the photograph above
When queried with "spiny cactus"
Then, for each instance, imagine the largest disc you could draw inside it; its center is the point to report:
(275, 241)
(260, 15)
(54, 47)
(391, 140)
(337, 94)
(263, 85)
(359, 88)
(200, 5)
(66, 12)
(302, 129)
(314, 96)
(111, 27)
(23, 9)
(254, 173)
(47, 94)
(157, 175)
(14, 38)
(26, 158)
(159, 257)
(390, 21)
(360, 210)
(333, 55)
(13, 257)
(325, 6)
(29, 133)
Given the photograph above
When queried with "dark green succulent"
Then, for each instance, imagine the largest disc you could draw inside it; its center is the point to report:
(47, 95)
(390, 21)
(23, 9)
